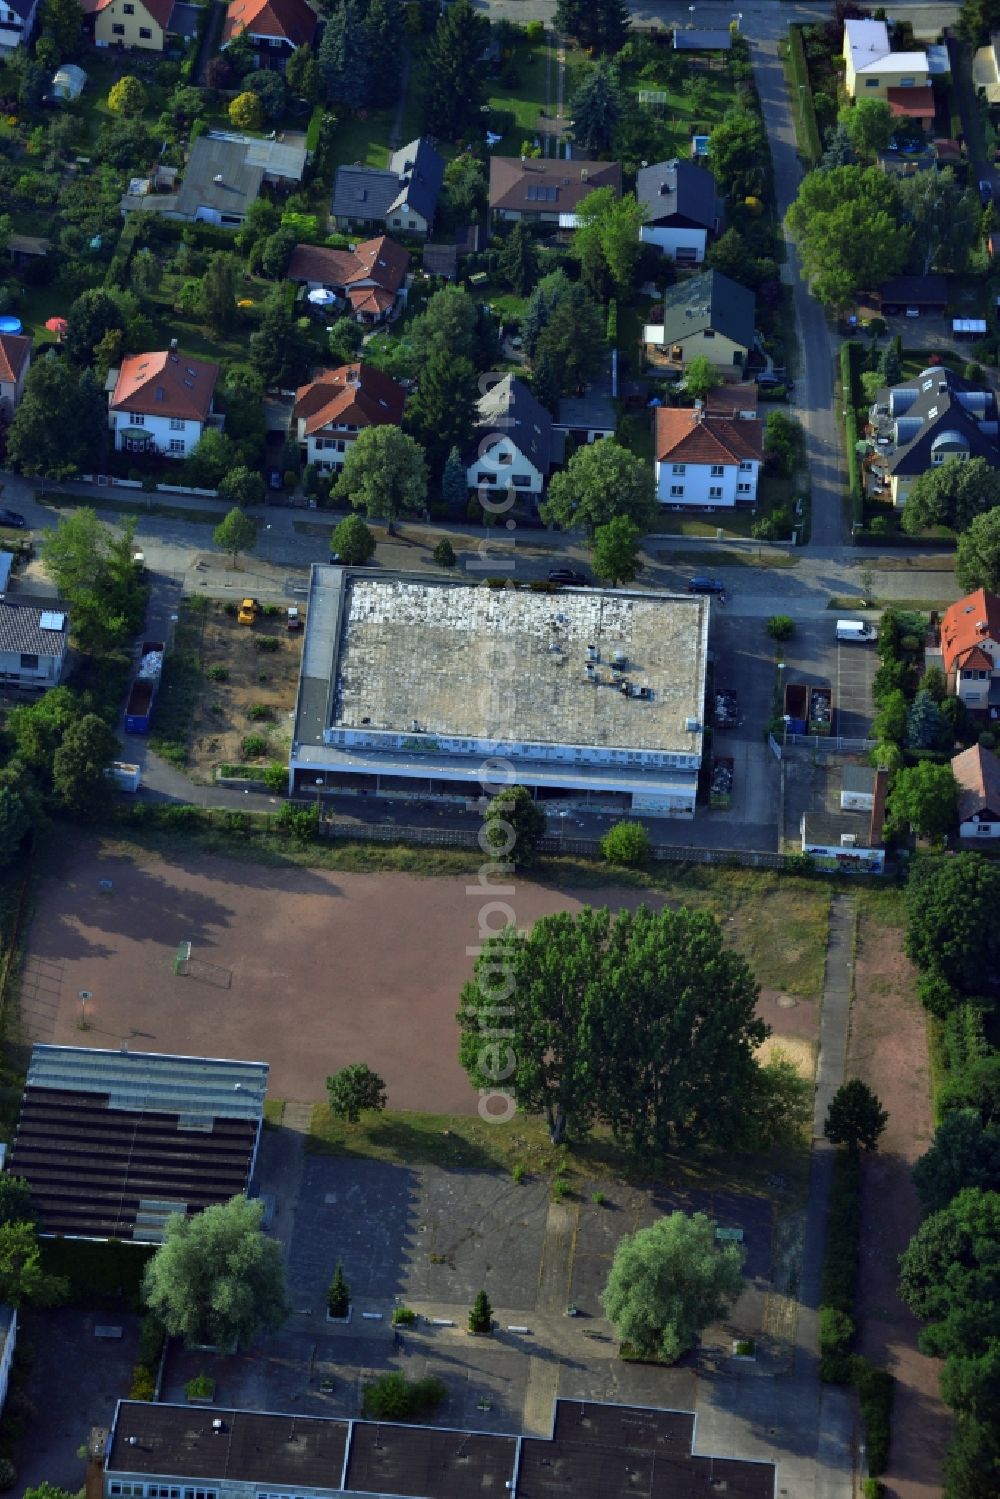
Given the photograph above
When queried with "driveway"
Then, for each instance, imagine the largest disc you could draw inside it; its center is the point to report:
(856, 667)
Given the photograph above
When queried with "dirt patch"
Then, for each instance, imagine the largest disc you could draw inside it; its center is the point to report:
(888, 1049)
(801, 1053)
(258, 682)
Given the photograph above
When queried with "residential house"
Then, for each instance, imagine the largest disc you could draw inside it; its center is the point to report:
(851, 840)
(223, 176)
(402, 196)
(986, 69)
(737, 401)
(588, 417)
(336, 405)
(874, 71)
(682, 209)
(368, 278)
(162, 402)
(275, 28)
(977, 771)
(708, 315)
(32, 645)
(922, 423)
(141, 24)
(704, 460)
(112, 1142)
(926, 296)
(547, 191)
(518, 446)
(15, 361)
(17, 22)
(970, 651)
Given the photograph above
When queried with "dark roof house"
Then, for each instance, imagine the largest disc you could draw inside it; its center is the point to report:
(510, 409)
(939, 415)
(679, 193)
(926, 293)
(113, 1142)
(709, 301)
(402, 195)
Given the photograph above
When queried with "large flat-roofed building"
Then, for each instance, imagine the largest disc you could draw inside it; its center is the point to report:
(595, 1451)
(112, 1142)
(408, 686)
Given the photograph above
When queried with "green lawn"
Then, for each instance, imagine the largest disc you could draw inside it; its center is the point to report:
(527, 98)
(365, 140)
(36, 304)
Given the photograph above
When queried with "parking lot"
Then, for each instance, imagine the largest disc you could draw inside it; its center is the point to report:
(856, 668)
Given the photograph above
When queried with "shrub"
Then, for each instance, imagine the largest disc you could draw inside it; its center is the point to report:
(444, 553)
(597, 1198)
(260, 713)
(143, 1383)
(218, 673)
(252, 746)
(836, 1331)
(517, 1172)
(872, 1488)
(152, 1337)
(876, 1392)
(393, 1397)
(481, 1315)
(780, 627)
(338, 1296)
(275, 776)
(201, 1387)
(627, 843)
(403, 1316)
(267, 643)
(8, 1473)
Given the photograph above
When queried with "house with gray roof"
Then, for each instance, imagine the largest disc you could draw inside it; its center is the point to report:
(922, 423)
(682, 209)
(518, 445)
(706, 315)
(223, 176)
(401, 197)
(33, 642)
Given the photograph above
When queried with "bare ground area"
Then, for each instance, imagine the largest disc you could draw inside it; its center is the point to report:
(306, 969)
(260, 680)
(888, 1049)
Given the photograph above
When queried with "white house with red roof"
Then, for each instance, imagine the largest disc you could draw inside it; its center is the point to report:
(161, 403)
(368, 278)
(970, 650)
(708, 459)
(15, 361)
(337, 405)
(275, 28)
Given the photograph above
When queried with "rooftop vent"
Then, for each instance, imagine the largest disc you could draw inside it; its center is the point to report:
(848, 840)
(691, 725)
(50, 620)
(217, 178)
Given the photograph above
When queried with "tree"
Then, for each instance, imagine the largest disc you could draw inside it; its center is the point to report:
(241, 486)
(950, 930)
(849, 233)
(780, 627)
(16, 1205)
(598, 25)
(976, 1087)
(448, 324)
(611, 226)
(617, 550)
(302, 74)
(951, 494)
(444, 553)
(270, 89)
(668, 1282)
(338, 1296)
(949, 1275)
(209, 460)
(246, 111)
(596, 108)
(344, 340)
(217, 1278)
(739, 156)
(345, 57)
(91, 565)
(145, 273)
(353, 541)
(235, 534)
(481, 1315)
(37, 729)
(62, 20)
(839, 150)
(442, 412)
(15, 822)
(925, 798)
(925, 726)
(972, 1463)
(91, 316)
(965, 1152)
(456, 87)
(514, 826)
(977, 561)
(576, 993)
(384, 474)
(22, 1276)
(944, 221)
(782, 442)
(80, 767)
(127, 97)
(573, 339)
(627, 843)
(700, 377)
(465, 191)
(384, 25)
(601, 481)
(355, 1090)
(976, 19)
(890, 363)
(217, 291)
(869, 124)
(889, 723)
(281, 351)
(855, 1117)
(518, 260)
(454, 483)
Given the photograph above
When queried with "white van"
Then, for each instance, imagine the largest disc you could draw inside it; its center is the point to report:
(855, 630)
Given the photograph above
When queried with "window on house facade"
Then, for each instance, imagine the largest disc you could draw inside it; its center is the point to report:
(176, 424)
(28, 661)
(503, 457)
(679, 468)
(138, 420)
(484, 478)
(145, 33)
(745, 467)
(117, 29)
(715, 491)
(677, 489)
(871, 83)
(708, 333)
(717, 470)
(744, 488)
(176, 445)
(129, 10)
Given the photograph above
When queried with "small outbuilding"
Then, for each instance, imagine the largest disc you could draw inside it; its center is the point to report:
(927, 295)
(977, 771)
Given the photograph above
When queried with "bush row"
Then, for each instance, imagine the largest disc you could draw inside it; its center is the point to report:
(812, 146)
(850, 358)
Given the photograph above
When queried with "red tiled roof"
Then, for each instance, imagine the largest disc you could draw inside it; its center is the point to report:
(292, 20)
(960, 626)
(692, 436)
(353, 395)
(725, 399)
(977, 772)
(379, 260)
(370, 299)
(166, 384)
(918, 103)
(14, 351)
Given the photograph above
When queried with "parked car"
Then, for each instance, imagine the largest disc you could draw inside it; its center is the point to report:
(565, 575)
(13, 519)
(985, 192)
(706, 585)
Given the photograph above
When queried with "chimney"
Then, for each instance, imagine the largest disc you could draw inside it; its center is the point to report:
(699, 411)
(584, 174)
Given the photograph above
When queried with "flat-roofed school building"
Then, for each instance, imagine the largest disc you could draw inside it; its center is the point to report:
(408, 686)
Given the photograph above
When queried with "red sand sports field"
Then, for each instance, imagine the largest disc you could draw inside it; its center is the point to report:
(305, 969)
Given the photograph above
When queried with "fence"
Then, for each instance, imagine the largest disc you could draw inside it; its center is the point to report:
(588, 848)
(836, 742)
